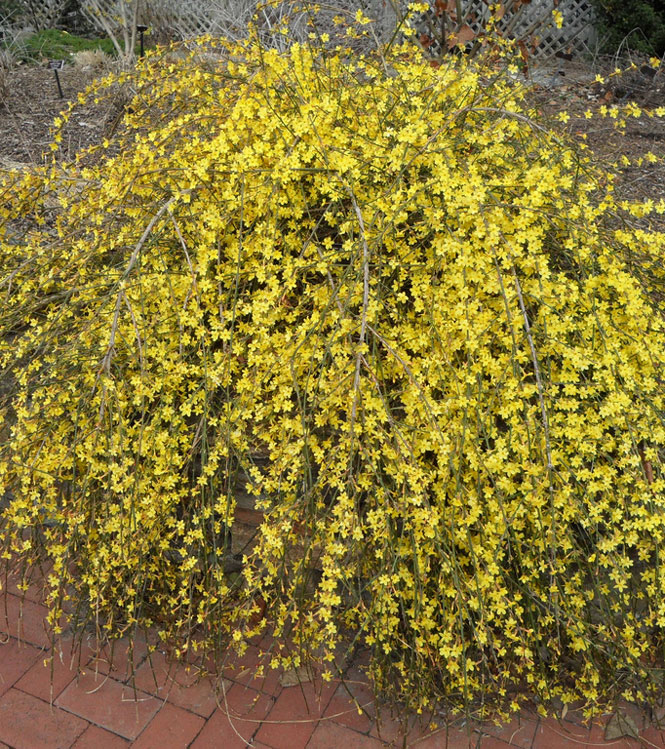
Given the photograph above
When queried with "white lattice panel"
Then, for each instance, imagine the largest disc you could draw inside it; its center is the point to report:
(190, 18)
(532, 23)
(43, 13)
(575, 36)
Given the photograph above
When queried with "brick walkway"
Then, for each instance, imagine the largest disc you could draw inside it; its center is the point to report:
(88, 705)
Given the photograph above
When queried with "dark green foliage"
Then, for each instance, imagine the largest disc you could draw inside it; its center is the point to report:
(638, 24)
(74, 20)
(59, 45)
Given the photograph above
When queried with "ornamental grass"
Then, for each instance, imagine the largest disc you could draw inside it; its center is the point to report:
(397, 309)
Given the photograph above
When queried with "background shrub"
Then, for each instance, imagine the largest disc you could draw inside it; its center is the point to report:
(399, 311)
(633, 24)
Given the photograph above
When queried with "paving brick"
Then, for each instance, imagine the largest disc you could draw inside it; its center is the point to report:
(117, 659)
(109, 704)
(657, 717)
(596, 738)
(95, 737)
(448, 738)
(293, 719)
(16, 659)
(639, 720)
(551, 735)
(24, 620)
(233, 724)
(396, 730)
(30, 723)
(635, 713)
(345, 703)
(32, 590)
(653, 736)
(172, 727)
(68, 661)
(242, 670)
(354, 692)
(178, 683)
(329, 735)
(491, 742)
(574, 714)
(519, 732)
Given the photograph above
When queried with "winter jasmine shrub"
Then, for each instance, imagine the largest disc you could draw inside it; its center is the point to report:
(399, 311)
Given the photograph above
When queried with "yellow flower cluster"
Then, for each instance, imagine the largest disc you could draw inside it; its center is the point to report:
(384, 300)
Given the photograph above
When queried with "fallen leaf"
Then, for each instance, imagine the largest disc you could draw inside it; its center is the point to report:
(295, 676)
(621, 725)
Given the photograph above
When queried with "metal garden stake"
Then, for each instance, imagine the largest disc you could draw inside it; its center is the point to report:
(141, 29)
(56, 65)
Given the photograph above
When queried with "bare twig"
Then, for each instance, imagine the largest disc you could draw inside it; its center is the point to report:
(536, 370)
(363, 319)
(105, 364)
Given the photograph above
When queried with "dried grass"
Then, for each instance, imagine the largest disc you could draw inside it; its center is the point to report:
(6, 64)
(94, 60)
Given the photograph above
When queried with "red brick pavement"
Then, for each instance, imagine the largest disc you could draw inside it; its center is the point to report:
(92, 702)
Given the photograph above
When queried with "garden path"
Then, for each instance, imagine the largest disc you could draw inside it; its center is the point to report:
(88, 703)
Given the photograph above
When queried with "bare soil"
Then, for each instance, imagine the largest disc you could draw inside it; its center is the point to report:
(33, 102)
(571, 86)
